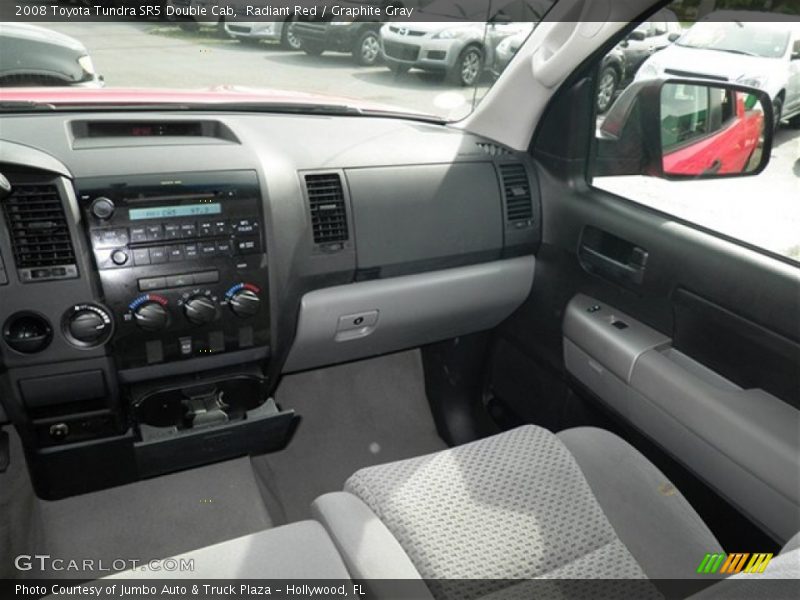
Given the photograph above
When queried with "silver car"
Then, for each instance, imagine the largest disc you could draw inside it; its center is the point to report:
(461, 50)
(277, 31)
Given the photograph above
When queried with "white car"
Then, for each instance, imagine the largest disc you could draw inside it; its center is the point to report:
(731, 46)
(253, 32)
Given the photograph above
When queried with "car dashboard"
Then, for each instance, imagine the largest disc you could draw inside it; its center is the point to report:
(162, 270)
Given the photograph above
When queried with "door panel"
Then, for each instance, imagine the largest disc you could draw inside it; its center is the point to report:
(719, 389)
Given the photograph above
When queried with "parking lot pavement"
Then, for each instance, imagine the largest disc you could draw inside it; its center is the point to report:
(154, 54)
(762, 210)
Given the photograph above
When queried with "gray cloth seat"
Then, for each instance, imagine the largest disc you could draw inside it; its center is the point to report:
(301, 550)
(525, 504)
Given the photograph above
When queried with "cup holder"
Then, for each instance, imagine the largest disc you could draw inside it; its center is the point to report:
(200, 405)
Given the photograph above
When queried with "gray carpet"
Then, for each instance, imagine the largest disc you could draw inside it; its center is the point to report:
(20, 520)
(158, 517)
(354, 415)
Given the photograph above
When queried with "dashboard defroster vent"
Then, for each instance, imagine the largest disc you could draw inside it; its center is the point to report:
(326, 203)
(517, 192)
(39, 232)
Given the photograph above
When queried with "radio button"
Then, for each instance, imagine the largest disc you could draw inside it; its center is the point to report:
(119, 257)
(172, 232)
(245, 226)
(155, 233)
(175, 253)
(141, 256)
(190, 251)
(247, 245)
(207, 249)
(109, 238)
(188, 230)
(206, 277)
(224, 247)
(158, 255)
(220, 227)
(152, 283)
(205, 228)
(138, 234)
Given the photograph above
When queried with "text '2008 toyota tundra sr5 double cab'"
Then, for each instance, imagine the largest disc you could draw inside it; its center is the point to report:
(309, 328)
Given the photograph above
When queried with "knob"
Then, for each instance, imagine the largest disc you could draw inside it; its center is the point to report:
(151, 316)
(87, 326)
(245, 303)
(102, 208)
(200, 310)
(119, 257)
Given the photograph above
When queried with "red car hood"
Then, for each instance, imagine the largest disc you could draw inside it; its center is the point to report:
(65, 96)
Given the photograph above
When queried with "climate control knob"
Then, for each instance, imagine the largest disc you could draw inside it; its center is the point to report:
(87, 324)
(245, 303)
(151, 316)
(200, 310)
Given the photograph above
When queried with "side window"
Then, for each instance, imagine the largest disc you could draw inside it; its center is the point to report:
(685, 115)
(708, 130)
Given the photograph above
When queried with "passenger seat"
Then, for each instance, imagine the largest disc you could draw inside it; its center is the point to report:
(525, 504)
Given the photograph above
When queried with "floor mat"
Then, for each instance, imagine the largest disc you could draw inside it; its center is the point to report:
(354, 415)
(156, 518)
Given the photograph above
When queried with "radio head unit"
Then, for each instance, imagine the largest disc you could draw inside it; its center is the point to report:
(182, 263)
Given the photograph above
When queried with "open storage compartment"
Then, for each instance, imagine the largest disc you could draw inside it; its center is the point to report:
(188, 425)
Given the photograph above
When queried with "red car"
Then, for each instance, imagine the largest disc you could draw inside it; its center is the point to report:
(705, 131)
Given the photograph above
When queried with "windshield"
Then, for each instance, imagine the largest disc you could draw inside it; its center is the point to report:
(363, 56)
(753, 39)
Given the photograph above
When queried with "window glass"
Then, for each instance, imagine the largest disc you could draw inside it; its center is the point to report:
(440, 63)
(761, 210)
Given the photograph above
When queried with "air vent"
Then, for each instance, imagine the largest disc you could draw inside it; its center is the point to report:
(328, 214)
(517, 191)
(493, 149)
(39, 233)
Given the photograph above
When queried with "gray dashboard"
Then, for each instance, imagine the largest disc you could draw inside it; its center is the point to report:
(440, 232)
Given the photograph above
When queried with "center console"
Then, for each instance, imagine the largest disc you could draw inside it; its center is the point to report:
(182, 266)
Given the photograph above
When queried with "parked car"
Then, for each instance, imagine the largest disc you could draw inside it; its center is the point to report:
(459, 49)
(650, 37)
(254, 32)
(36, 56)
(734, 46)
(705, 131)
(613, 69)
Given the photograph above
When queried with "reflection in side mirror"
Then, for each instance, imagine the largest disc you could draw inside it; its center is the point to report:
(637, 36)
(685, 129)
(708, 130)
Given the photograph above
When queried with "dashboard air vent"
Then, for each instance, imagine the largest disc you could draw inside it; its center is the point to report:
(517, 192)
(327, 206)
(39, 233)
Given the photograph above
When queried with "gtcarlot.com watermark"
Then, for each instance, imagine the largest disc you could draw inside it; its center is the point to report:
(48, 563)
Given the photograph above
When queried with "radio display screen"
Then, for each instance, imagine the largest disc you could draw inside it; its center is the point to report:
(178, 210)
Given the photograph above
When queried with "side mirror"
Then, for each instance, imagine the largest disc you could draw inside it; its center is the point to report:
(686, 129)
(637, 36)
(674, 37)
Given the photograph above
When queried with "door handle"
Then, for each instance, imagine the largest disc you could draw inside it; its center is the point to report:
(714, 167)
